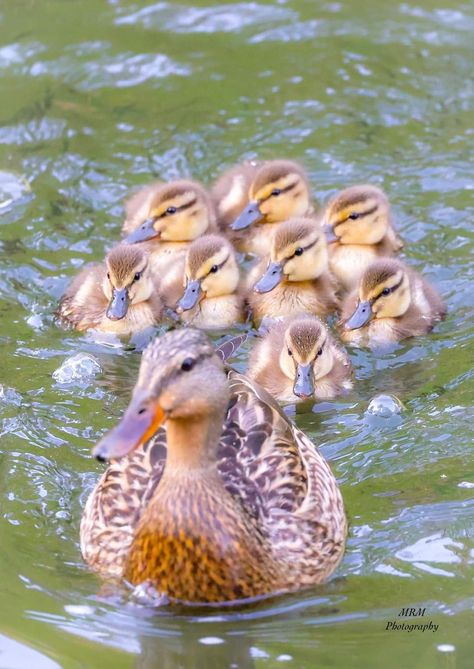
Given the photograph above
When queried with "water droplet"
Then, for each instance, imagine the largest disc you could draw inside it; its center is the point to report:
(446, 648)
(385, 406)
(80, 367)
(211, 640)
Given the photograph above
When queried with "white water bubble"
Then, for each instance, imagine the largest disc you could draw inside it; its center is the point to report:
(385, 406)
(446, 648)
(284, 658)
(211, 640)
(79, 367)
(465, 484)
(79, 609)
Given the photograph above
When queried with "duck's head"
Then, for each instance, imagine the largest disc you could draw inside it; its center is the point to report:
(298, 253)
(211, 270)
(279, 191)
(384, 292)
(357, 215)
(128, 280)
(179, 211)
(306, 355)
(181, 380)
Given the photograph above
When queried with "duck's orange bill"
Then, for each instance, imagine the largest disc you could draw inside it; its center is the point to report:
(139, 423)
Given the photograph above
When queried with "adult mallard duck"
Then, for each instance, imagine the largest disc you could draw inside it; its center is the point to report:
(279, 190)
(298, 359)
(212, 296)
(392, 302)
(296, 279)
(120, 296)
(359, 227)
(228, 500)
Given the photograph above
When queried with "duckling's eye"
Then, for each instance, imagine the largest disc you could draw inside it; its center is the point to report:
(137, 276)
(354, 216)
(108, 275)
(276, 192)
(187, 364)
(290, 352)
(299, 251)
(386, 291)
(171, 210)
(214, 269)
(320, 352)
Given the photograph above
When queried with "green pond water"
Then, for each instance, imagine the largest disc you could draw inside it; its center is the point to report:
(99, 97)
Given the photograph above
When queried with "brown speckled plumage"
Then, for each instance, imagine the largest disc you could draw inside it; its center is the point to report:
(263, 515)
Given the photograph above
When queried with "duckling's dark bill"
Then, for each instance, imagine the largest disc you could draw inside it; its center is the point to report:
(251, 214)
(304, 384)
(360, 317)
(270, 279)
(143, 233)
(330, 234)
(118, 305)
(190, 297)
(139, 423)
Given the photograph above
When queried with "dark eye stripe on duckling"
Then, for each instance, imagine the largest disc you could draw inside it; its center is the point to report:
(360, 214)
(218, 266)
(305, 248)
(182, 207)
(391, 290)
(283, 190)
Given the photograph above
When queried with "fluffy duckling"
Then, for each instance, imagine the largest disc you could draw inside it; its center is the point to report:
(230, 193)
(359, 228)
(278, 190)
(310, 364)
(120, 296)
(297, 279)
(211, 494)
(391, 303)
(211, 298)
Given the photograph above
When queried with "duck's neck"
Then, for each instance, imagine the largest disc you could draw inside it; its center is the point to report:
(193, 443)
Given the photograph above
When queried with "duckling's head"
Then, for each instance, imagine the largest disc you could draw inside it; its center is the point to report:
(298, 253)
(306, 355)
(357, 215)
(179, 211)
(181, 379)
(211, 270)
(279, 191)
(128, 280)
(384, 292)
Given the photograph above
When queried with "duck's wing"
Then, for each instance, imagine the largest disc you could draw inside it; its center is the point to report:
(301, 504)
(115, 506)
(227, 349)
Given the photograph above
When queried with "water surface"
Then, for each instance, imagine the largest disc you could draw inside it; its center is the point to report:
(99, 97)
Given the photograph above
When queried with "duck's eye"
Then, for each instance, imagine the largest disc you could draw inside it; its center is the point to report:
(214, 269)
(187, 364)
(290, 352)
(386, 291)
(137, 276)
(276, 192)
(354, 216)
(320, 352)
(171, 210)
(108, 275)
(299, 251)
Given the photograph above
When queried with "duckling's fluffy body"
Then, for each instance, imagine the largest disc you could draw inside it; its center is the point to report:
(361, 229)
(299, 259)
(255, 198)
(392, 302)
(99, 290)
(297, 346)
(213, 297)
(230, 500)
(164, 219)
